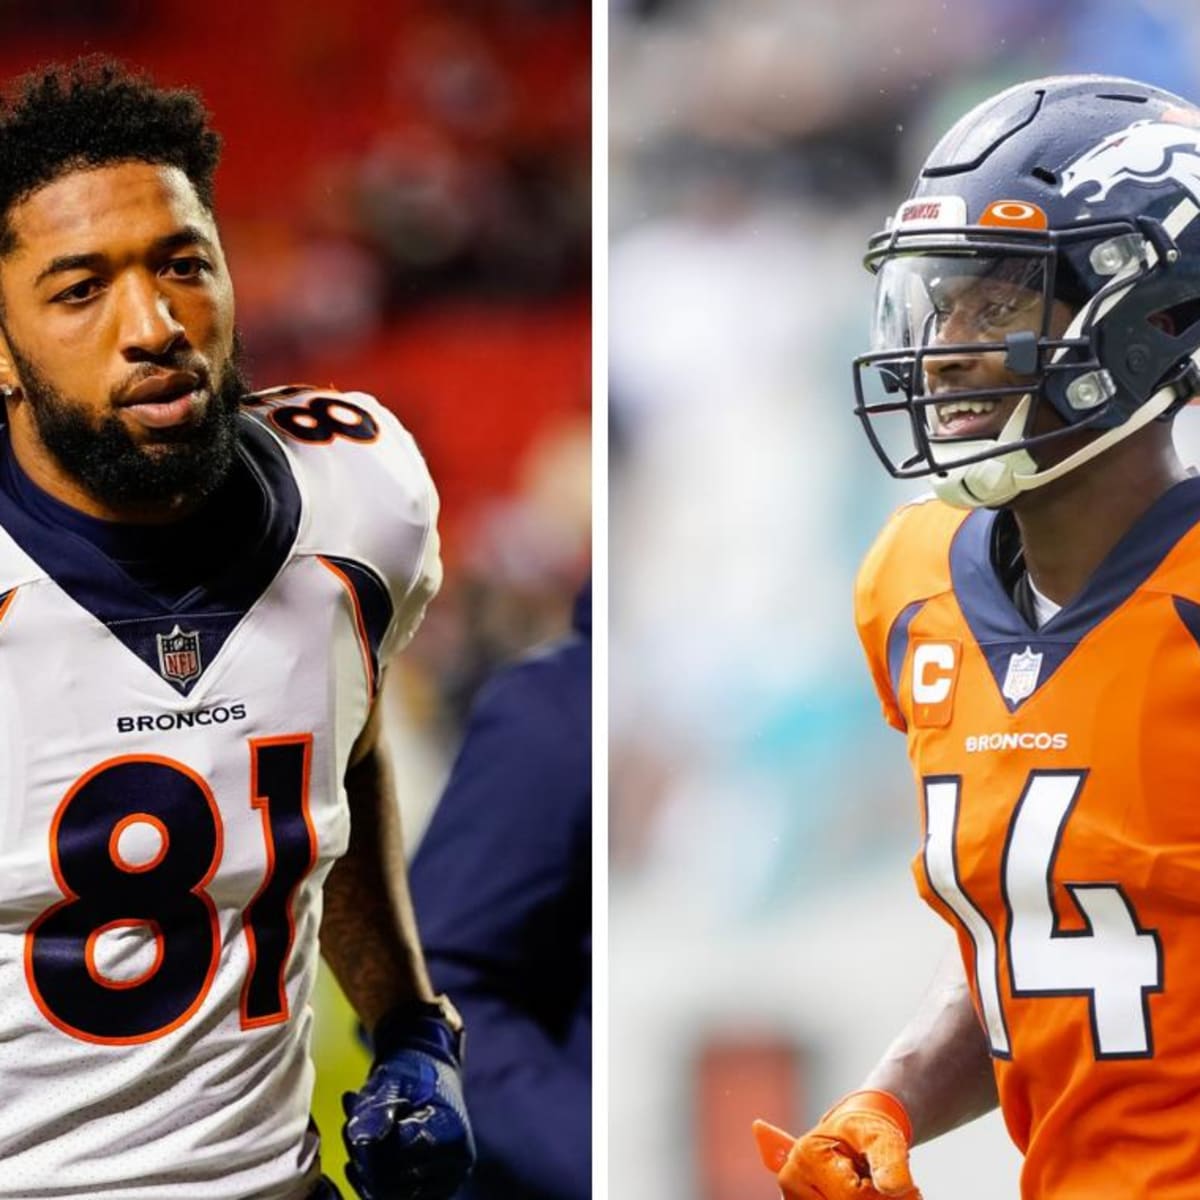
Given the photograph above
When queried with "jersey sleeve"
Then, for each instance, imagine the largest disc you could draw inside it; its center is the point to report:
(872, 624)
(907, 565)
(370, 507)
(416, 578)
(426, 583)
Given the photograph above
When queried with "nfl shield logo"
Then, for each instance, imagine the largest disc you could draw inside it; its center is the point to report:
(1022, 676)
(179, 655)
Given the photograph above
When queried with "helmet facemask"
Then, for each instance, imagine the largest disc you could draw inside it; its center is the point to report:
(986, 351)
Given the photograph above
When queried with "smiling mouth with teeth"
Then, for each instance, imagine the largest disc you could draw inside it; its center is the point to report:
(968, 418)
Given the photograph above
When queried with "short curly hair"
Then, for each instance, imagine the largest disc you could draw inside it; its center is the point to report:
(71, 116)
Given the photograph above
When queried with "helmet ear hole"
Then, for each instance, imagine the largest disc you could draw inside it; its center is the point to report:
(1178, 320)
(1164, 320)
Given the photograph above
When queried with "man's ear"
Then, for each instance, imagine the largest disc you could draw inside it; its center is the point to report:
(10, 383)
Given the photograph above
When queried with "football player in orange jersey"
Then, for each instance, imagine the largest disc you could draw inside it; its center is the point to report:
(1034, 630)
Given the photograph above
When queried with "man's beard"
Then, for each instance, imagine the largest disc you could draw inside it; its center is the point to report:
(190, 463)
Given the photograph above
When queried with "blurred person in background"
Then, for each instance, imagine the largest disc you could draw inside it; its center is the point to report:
(502, 888)
(1034, 628)
(163, 525)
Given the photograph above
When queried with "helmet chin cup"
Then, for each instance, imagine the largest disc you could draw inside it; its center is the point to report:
(990, 482)
(987, 484)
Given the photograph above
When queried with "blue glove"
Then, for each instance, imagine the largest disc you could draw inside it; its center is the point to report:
(406, 1131)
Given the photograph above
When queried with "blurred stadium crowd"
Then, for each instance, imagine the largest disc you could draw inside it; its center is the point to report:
(766, 939)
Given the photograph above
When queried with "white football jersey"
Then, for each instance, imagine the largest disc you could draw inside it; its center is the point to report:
(171, 800)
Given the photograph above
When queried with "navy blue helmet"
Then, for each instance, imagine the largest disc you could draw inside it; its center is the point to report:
(1056, 231)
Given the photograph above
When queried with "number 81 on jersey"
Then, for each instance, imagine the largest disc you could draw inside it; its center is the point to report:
(166, 895)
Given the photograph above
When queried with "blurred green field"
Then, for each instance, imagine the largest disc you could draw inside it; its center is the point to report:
(342, 1064)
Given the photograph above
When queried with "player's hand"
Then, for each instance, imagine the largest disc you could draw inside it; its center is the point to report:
(857, 1151)
(406, 1131)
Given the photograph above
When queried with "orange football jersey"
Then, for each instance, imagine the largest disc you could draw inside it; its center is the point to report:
(1058, 777)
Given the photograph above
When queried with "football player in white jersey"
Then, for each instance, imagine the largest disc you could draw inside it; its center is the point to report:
(199, 590)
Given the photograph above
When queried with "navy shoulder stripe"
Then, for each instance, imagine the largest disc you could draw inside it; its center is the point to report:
(374, 603)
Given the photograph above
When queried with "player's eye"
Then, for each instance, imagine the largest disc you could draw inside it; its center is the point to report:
(190, 267)
(79, 293)
(998, 312)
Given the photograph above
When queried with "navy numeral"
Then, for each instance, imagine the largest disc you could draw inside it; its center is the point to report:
(279, 790)
(324, 418)
(159, 900)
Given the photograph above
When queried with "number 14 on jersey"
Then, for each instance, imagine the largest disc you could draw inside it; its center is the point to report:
(1113, 961)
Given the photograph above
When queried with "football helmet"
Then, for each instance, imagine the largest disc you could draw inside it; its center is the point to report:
(1042, 278)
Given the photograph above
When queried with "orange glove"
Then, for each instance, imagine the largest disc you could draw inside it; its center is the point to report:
(857, 1151)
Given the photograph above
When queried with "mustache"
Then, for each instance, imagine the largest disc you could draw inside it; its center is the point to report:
(163, 365)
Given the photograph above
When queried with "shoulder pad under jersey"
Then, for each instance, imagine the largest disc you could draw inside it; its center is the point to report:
(368, 502)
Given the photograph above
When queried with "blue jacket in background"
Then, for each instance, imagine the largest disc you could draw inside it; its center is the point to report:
(502, 889)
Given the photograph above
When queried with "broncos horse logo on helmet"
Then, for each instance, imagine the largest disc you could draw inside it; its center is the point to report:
(1107, 288)
(1148, 152)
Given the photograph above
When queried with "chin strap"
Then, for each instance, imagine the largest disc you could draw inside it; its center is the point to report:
(999, 480)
